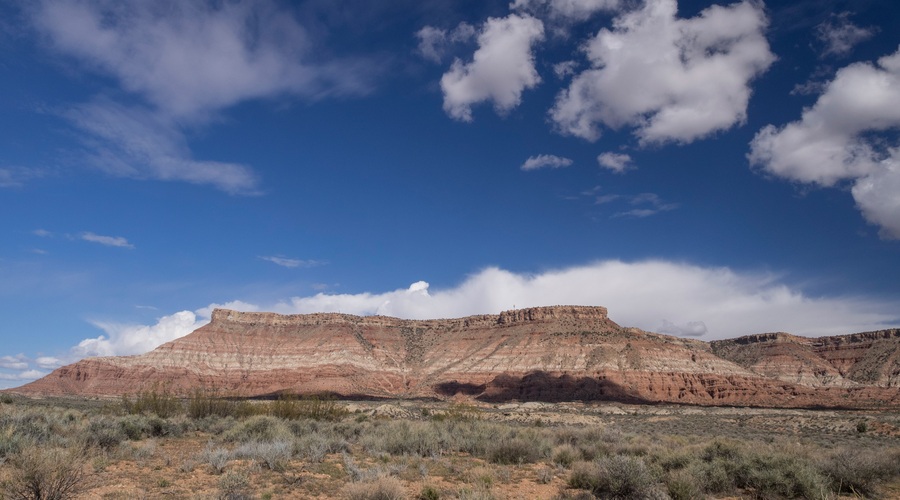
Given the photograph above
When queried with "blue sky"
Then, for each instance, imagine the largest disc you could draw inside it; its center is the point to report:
(700, 169)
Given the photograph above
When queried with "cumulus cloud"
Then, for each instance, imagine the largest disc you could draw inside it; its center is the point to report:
(125, 339)
(564, 69)
(545, 161)
(501, 68)
(192, 58)
(110, 241)
(433, 42)
(617, 162)
(139, 143)
(287, 262)
(672, 79)
(839, 35)
(21, 377)
(845, 136)
(48, 362)
(571, 10)
(690, 329)
(643, 294)
(17, 362)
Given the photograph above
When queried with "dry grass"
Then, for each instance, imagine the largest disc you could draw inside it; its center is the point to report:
(98, 451)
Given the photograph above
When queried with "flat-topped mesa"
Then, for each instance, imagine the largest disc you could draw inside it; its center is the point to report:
(892, 333)
(759, 338)
(588, 315)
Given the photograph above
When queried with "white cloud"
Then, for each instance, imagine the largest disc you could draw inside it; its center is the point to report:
(878, 196)
(839, 35)
(433, 42)
(672, 79)
(501, 69)
(545, 161)
(24, 376)
(138, 143)
(189, 61)
(643, 294)
(617, 162)
(111, 241)
(48, 362)
(192, 58)
(125, 339)
(43, 233)
(690, 329)
(287, 262)
(845, 136)
(574, 10)
(564, 69)
(17, 362)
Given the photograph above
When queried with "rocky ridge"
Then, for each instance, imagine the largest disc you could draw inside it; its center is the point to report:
(560, 353)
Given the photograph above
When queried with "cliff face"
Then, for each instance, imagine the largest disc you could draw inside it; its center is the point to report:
(547, 353)
(856, 360)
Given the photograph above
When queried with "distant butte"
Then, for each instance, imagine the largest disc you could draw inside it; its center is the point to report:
(559, 353)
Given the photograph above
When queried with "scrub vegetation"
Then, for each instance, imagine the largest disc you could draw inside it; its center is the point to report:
(153, 445)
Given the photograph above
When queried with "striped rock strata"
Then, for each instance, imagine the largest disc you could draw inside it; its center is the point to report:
(545, 354)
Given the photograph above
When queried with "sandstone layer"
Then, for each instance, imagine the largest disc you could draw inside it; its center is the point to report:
(561, 353)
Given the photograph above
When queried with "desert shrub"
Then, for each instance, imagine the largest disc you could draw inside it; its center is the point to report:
(403, 437)
(468, 493)
(429, 492)
(315, 446)
(458, 412)
(143, 451)
(382, 488)
(6, 399)
(513, 451)
(778, 475)
(214, 425)
(682, 485)
(104, 433)
(565, 455)
(315, 407)
(216, 457)
(203, 403)
(618, 476)
(234, 485)
(574, 495)
(31, 426)
(545, 475)
(273, 455)
(258, 428)
(155, 401)
(135, 427)
(46, 473)
(858, 471)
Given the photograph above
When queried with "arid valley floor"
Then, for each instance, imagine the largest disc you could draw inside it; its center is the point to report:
(154, 446)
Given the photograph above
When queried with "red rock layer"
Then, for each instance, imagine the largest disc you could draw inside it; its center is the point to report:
(548, 353)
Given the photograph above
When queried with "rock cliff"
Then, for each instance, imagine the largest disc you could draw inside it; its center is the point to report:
(545, 354)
